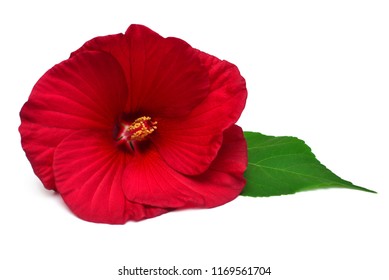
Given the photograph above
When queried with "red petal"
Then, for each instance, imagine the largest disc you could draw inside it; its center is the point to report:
(89, 175)
(165, 75)
(87, 91)
(152, 181)
(190, 144)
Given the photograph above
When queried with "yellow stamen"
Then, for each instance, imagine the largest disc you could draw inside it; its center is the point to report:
(135, 131)
(141, 128)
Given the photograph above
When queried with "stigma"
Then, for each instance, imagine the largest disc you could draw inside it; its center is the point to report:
(138, 130)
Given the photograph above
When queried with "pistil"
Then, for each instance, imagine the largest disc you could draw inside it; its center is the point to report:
(138, 130)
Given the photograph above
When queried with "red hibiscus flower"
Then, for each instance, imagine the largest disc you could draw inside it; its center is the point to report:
(134, 125)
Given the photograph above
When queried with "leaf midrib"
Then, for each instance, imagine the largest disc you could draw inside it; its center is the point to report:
(298, 174)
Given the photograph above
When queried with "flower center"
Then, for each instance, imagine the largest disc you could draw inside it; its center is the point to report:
(138, 130)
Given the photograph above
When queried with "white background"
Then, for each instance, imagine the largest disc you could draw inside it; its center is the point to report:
(317, 70)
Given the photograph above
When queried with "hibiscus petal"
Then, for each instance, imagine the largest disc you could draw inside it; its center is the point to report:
(190, 144)
(152, 181)
(89, 174)
(165, 75)
(87, 91)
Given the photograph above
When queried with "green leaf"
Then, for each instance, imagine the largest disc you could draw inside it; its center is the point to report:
(286, 165)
